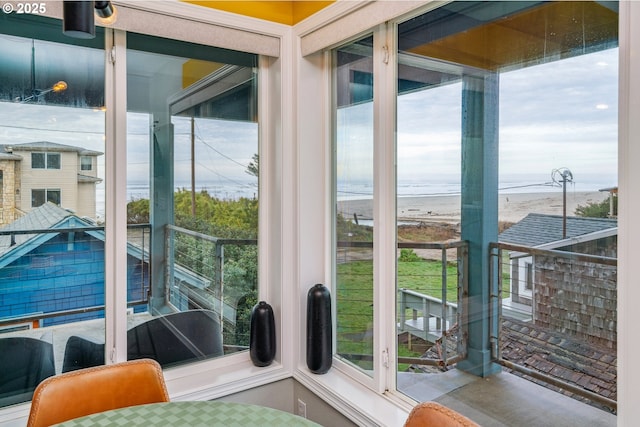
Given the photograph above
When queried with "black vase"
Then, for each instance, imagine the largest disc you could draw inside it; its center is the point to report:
(319, 330)
(262, 335)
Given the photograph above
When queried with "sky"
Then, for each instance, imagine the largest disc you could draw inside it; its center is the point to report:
(557, 115)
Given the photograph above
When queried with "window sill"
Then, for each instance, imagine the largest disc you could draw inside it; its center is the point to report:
(355, 401)
(211, 380)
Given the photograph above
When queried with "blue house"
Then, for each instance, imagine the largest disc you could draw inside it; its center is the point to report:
(45, 271)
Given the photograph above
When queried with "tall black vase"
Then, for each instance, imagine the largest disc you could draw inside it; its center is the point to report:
(262, 335)
(319, 330)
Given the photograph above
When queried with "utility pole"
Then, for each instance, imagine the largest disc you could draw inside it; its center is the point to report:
(562, 176)
(193, 169)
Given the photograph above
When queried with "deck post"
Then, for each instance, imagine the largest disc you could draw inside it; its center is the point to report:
(479, 213)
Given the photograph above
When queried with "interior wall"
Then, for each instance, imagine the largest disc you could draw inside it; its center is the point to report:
(284, 395)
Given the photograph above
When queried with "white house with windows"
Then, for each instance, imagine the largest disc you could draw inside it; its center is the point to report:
(38, 172)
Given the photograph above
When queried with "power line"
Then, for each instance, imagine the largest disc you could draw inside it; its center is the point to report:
(217, 151)
(55, 130)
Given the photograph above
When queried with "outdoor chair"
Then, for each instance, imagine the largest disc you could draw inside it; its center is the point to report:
(101, 388)
(177, 338)
(170, 339)
(24, 362)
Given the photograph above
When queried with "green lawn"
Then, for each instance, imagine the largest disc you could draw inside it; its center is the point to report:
(354, 296)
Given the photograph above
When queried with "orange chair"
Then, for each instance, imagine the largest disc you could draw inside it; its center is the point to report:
(434, 414)
(88, 391)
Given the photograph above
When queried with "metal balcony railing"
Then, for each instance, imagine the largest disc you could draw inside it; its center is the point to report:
(421, 313)
(218, 274)
(556, 319)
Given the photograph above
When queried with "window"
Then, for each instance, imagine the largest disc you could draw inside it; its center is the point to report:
(86, 163)
(474, 123)
(353, 195)
(41, 276)
(205, 168)
(529, 273)
(179, 95)
(45, 160)
(40, 197)
(497, 132)
(53, 161)
(38, 160)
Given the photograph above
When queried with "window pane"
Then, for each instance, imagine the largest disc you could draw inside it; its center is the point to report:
(53, 196)
(353, 192)
(37, 198)
(193, 141)
(53, 161)
(507, 134)
(52, 292)
(38, 160)
(86, 163)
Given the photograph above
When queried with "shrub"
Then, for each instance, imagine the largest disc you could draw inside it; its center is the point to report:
(408, 255)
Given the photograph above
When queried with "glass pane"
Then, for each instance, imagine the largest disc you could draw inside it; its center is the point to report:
(53, 196)
(37, 160)
(507, 122)
(51, 273)
(428, 205)
(86, 163)
(37, 198)
(354, 222)
(53, 161)
(193, 197)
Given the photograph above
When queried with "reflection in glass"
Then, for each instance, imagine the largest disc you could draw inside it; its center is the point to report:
(354, 222)
(535, 83)
(52, 210)
(193, 184)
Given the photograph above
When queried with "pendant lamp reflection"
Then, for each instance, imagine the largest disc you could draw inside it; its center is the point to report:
(78, 20)
(60, 86)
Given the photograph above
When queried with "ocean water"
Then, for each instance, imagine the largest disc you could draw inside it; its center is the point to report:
(356, 191)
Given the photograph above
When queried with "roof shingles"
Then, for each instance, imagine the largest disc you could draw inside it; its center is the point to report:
(539, 229)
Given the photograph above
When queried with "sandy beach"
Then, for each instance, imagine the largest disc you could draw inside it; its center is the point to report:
(511, 207)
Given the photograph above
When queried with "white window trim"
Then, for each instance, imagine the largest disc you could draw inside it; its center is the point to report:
(629, 204)
(344, 20)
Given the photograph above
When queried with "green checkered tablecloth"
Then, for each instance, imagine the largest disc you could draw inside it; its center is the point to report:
(190, 414)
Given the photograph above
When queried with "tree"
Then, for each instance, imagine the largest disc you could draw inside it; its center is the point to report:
(138, 211)
(598, 209)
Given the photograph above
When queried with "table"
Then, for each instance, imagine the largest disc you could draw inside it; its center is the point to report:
(191, 414)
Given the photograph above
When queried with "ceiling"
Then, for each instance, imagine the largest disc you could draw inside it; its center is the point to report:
(283, 12)
(505, 35)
